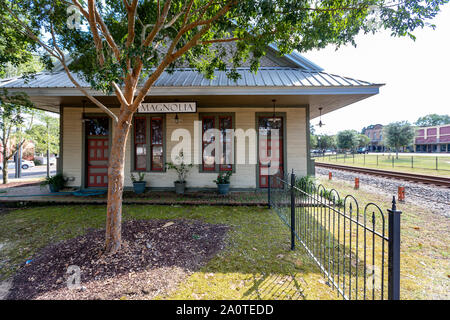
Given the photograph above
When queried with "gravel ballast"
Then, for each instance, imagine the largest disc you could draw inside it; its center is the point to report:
(437, 199)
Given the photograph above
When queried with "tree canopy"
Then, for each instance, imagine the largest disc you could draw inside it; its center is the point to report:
(363, 140)
(433, 120)
(147, 36)
(347, 139)
(14, 109)
(45, 134)
(398, 134)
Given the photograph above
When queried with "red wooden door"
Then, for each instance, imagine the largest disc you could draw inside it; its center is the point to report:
(97, 162)
(268, 142)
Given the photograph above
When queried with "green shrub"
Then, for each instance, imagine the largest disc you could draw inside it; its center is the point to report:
(57, 180)
(223, 178)
(140, 177)
(306, 183)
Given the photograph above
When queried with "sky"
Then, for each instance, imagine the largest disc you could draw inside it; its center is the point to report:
(416, 76)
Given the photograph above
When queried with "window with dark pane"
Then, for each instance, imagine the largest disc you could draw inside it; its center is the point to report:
(225, 126)
(156, 132)
(208, 122)
(140, 143)
(97, 126)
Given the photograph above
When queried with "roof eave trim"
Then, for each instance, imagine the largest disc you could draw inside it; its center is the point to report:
(179, 91)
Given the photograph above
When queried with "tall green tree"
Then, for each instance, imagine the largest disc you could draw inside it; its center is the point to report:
(397, 135)
(313, 141)
(363, 140)
(433, 120)
(347, 139)
(15, 117)
(326, 141)
(45, 134)
(123, 47)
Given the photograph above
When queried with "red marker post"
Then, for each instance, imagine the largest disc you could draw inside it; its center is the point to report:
(401, 194)
(330, 176)
(356, 183)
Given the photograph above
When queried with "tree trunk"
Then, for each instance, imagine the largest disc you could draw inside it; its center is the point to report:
(115, 182)
(396, 153)
(5, 170)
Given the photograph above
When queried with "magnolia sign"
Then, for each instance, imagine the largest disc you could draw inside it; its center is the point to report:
(168, 107)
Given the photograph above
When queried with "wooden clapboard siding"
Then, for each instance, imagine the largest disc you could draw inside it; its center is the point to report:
(245, 175)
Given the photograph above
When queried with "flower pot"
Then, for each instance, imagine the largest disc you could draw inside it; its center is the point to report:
(139, 187)
(179, 187)
(224, 188)
(53, 188)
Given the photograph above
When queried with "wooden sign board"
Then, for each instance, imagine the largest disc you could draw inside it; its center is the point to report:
(168, 107)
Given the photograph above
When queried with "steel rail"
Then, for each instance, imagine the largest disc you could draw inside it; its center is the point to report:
(425, 179)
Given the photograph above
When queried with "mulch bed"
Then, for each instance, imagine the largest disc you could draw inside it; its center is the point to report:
(156, 255)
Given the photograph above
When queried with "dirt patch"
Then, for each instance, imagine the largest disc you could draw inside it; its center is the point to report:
(19, 184)
(155, 256)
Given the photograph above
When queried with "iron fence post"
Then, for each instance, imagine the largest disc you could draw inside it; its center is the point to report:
(394, 253)
(268, 188)
(292, 210)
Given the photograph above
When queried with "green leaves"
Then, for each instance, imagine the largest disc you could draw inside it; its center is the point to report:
(398, 134)
(347, 139)
(433, 120)
(299, 25)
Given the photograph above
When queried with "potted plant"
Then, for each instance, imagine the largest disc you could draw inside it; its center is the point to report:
(182, 169)
(138, 183)
(223, 182)
(54, 183)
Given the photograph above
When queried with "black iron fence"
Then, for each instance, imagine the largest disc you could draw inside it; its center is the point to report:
(387, 160)
(357, 249)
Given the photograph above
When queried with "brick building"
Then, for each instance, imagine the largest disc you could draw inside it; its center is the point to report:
(375, 133)
(432, 139)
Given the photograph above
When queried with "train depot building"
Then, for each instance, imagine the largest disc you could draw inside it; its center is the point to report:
(284, 95)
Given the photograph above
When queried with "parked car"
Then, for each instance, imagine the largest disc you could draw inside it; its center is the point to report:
(43, 160)
(363, 150)
(25, 164)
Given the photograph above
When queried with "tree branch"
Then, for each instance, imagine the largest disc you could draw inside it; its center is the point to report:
(93, 24)
(159, 23)
(170, 56)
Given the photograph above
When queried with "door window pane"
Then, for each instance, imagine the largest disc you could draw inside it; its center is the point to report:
(157, 144)
(140, 148)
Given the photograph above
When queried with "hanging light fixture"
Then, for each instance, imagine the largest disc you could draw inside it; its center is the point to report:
(320, 121)
(177, 120)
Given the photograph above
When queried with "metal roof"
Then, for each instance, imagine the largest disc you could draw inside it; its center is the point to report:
(265, 77)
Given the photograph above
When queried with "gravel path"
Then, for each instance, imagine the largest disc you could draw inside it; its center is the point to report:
(435, 198)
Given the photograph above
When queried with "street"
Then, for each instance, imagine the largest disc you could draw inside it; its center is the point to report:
(34, 172)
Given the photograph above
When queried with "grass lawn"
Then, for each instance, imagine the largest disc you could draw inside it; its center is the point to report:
(256, 263)
(412, 164)
(425, 239)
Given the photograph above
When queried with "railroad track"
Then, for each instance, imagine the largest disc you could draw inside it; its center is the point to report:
(437, 181)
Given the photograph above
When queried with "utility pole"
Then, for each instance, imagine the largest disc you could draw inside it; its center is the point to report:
(48, 150)
(18, 158)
